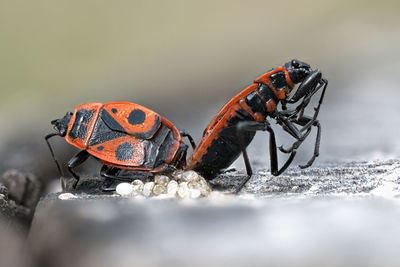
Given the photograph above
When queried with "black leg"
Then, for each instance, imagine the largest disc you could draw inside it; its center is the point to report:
(108, 174)
(296, 133)
(241, 128)
(112, 173)
(310, 85)
(287, 122)
(315, 122)
(304, 120)
(296, 144)
(106, 187)
(188, 136)
(274, 155)
(257, 126)
(316, 148)
(289, 127)
(300, 108)
(47, 137)
(316, 109)
(248, 170)
(77, 160)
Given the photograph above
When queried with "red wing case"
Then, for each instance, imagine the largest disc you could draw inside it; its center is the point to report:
(132, 119)
(82, 124)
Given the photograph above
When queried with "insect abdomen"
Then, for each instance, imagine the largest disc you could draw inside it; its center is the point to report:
(225, 148)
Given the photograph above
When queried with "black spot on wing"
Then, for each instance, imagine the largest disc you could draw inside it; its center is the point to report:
(107, 128)
(100, 148)
(136, 117)
(124, 152)
(150, 133)
(114, 110)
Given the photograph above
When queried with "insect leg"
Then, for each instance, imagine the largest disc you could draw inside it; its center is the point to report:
(306, 122)
(257, 126)
(289, 127)
(316, 147)
(188, 136)
(310, 123)
(113, 173)
(296, 144)
(77, 160)
(303, 121)
(251, 126)
(121, 175)
(306, 100)
(248, 170)
(109, 174)
(274, 155)
(47, 137)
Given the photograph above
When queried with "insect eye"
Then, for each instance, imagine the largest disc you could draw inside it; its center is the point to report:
(295, 63)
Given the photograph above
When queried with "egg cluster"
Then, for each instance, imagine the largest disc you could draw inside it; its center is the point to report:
(180, 184)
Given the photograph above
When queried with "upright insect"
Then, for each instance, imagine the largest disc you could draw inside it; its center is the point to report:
(234, 127)
(124, 137)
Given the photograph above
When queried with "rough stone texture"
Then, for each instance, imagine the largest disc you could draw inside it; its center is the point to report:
(15, 215)
(328, 216)
(352, 178)
(23, 188)
(4, 205)
(19, 194)
(3, 190)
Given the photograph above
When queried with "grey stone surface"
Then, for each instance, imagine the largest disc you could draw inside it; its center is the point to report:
(86, 184)
(13, 247)
(3, 190)
(330, 216)
(5, 210)
(19, 194)
(345, 178)
(15, 214)
(23, 188)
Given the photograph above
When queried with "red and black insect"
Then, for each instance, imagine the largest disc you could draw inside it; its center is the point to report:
(234, 127)
(129, 139)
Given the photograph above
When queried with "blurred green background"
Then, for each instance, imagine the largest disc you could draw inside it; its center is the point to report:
(185, 59)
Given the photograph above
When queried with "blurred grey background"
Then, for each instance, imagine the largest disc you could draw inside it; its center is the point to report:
(185, 59)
